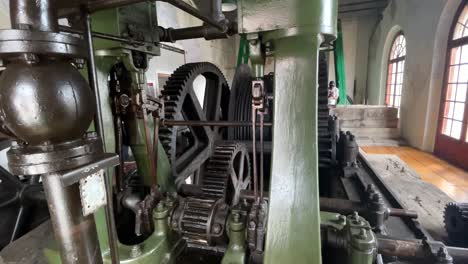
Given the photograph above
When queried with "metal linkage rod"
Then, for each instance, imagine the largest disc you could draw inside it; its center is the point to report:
(416, 250)
(345, 207)
(169, 123)
(93, 80)
(120, 39)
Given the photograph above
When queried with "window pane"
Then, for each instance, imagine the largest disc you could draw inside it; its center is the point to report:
(398, 90)
(455, 57)
(461, 92)
(451, 92)
(397, 101)
(393, 80)
(390, 102)
(459, 111)
(399, 78)
(453, 74)
(456, 129)
(463, 74)
(457, 33)
(446, 126)
(464, 54)
(448, 112)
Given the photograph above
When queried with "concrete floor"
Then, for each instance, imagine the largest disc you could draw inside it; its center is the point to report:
(451, 180)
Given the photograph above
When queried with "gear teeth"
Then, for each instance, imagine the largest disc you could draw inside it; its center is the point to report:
(456, 223)
(174, 92)
(325, 141)
(218, 170)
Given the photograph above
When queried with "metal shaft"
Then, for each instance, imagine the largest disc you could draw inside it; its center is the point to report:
(40, 15)
(348, 207)
(416, 250)
(169, 123)
(93, 80)
(75, 233)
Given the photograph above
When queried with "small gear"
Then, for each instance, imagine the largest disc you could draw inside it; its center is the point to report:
(456, 223)
(227, 172)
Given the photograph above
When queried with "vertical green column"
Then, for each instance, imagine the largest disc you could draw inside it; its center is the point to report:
(294, 221)
(340, 70)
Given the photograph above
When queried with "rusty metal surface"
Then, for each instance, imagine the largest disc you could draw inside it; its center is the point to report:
(17, 41)
(32, 160)
(75, 233)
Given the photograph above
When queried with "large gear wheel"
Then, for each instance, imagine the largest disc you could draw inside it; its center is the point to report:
(227, 173)
(456, 223)
(189, 147)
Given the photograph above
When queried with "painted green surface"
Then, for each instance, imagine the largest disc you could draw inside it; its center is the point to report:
(268, 15)
(293, 225)
(162, 246)
(236, 251)
(139, 18)
(108, 53)
(340, 70)
(357, 233)
(294, 216)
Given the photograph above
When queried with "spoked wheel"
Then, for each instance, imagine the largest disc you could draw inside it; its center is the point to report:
(188, 147)
(227, 173)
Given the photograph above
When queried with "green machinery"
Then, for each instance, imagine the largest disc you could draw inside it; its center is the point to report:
(169, 178)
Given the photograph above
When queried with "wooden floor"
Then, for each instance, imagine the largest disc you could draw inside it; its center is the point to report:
(450, 179)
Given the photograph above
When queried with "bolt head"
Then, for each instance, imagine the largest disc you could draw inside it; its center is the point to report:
(217, 228)
(236, 217)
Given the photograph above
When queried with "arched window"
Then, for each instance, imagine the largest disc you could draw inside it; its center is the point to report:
(454, 114)
(452, 136)
(396, 68)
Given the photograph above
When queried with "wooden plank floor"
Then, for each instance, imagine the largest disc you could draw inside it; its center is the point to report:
(448, 178)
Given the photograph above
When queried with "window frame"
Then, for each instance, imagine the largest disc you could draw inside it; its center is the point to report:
(390, 63)
(451, 44)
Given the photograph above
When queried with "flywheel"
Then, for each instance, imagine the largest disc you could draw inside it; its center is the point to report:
(185, 99)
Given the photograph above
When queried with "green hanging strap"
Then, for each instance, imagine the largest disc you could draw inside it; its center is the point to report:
(340, 72)
(244, 52)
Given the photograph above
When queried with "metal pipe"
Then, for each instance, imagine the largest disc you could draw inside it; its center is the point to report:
(93, 80)
(120, 39)
(196, 13)
(205, 31)
(104, 36)
(346, 207)
(39, 15)
(169, 123)
(416, 250)
(76, 234)
(254, 152)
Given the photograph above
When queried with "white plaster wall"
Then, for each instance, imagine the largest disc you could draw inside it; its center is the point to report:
(222, 53)
(357, 31)
(350, 37)
(426, 25)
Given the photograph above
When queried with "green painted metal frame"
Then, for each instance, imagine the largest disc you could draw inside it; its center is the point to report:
(160, 245)
(293, 231)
